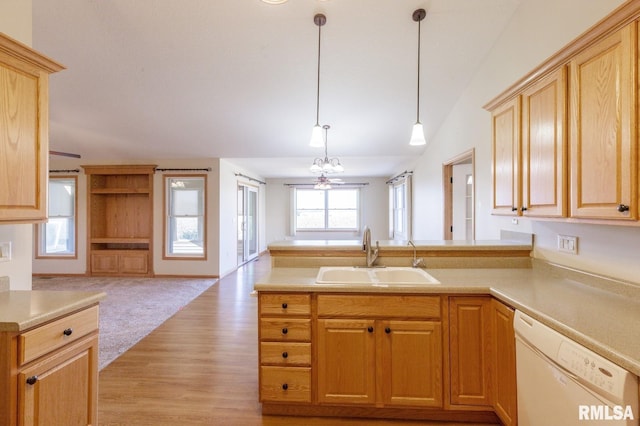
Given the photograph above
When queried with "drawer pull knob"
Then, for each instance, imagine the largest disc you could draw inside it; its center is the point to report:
(32, 380)
(285, 355)
(370, 329)
(285, 386)
(68, 332)
(387, 330)
(284, 306)
(285, 330)
(623, 208)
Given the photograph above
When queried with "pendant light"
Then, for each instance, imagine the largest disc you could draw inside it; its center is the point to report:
(417, 135)
(316, 133)
(326, 164)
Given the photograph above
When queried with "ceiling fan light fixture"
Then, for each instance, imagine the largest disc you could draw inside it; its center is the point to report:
(274, 1)
(417, 134)
(326, 165)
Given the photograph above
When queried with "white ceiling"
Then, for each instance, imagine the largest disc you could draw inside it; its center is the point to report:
(236, 79)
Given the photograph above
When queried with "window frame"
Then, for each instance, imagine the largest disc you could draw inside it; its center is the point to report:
(166, 200)
(326, 210)
(404, 211)
(40, 233)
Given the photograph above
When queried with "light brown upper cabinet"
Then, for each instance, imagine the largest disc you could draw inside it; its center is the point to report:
(24, 131)
(602, 134)
(544, 147)
(506, 158)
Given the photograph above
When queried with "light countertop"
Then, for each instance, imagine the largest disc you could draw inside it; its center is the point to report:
(23, 309)
(420, 245)
(607, 322)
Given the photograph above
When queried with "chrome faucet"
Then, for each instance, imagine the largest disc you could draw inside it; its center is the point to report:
(372, 254)
(416, 262)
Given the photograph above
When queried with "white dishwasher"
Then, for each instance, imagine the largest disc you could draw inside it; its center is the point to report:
(562, 383)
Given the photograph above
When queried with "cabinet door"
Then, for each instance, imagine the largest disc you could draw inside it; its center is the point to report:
(104, 263)
(470, 350)
(346, 361)
(61, 389)
(23, 144)
(410, 365)
(506, 158)
(603, 129)
(544, 147)
(504, 363)
(133, 263)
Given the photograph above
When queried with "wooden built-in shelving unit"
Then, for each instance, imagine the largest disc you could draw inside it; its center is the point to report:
(120, 219)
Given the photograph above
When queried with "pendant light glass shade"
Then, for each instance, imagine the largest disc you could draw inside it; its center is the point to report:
(317, 141)
(417, 135)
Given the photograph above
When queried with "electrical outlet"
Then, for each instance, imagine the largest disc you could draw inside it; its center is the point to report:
(568, 244)
(5, 251)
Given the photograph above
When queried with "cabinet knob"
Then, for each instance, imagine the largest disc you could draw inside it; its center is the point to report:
(370, 329)
(285, 386)
(285, 355)
(514, 209)
(524, 209)
(387, 330)
(623, 208)
(285, 330)
(284, 306)
(68, 332)
(32, 380)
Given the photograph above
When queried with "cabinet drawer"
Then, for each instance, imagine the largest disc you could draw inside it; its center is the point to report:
(285, 304)
(51, 336)
(380, 306)
(286, 384)
(285, 353)
(285, 329)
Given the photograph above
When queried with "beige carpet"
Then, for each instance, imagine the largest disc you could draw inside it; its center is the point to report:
(133, 307)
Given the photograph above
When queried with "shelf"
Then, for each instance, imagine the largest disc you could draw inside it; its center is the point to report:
(112, 240)
(120, 191)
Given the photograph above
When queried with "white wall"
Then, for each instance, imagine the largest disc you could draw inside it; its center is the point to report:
(538, 30)
(15, 21)
(375, 210)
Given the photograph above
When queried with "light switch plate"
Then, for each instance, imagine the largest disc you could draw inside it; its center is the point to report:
(5, 251)
(568, 244)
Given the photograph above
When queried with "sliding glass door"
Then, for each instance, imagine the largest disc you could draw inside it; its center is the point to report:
(247, 223)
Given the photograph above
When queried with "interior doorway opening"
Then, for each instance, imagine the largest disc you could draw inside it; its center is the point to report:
(459, 197)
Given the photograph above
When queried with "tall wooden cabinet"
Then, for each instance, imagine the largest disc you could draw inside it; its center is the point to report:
(24, 131)
(120, 220)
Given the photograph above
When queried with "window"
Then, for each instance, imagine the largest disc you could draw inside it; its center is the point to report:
(400, 209)
(327, 210)
(185, 216)
(57, 237)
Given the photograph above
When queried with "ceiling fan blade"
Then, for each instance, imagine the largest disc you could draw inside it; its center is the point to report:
(64, 154)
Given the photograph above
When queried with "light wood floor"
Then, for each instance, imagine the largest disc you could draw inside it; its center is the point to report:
(200, 367)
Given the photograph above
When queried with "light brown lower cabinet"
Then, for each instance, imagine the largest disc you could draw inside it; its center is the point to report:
(53, 372)
(384, 362)
(504, 363)
(470, 350)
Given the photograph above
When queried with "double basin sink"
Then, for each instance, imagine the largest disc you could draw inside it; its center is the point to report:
(377, 276)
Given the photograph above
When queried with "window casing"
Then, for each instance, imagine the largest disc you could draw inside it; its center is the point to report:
(400, 209)
(185, 223)
(57, 237)
(327, 210)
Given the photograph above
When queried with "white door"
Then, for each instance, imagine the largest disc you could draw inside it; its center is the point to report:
(247, 223)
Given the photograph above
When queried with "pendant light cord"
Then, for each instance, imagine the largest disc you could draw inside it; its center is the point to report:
(418, 92)
(318, 82)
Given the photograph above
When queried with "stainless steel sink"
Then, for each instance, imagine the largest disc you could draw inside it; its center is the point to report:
(374, 276)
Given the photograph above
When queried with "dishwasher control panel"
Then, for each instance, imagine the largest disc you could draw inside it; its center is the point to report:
(589, 367)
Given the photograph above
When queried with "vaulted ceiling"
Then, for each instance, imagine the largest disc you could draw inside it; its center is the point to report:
(236, 79)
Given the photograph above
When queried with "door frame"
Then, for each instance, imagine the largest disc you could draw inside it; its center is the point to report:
(447, 190)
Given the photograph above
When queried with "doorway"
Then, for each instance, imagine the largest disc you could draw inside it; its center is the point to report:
(459, 197)
(247, 223)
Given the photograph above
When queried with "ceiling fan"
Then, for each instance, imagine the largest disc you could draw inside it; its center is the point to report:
(323, 182)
